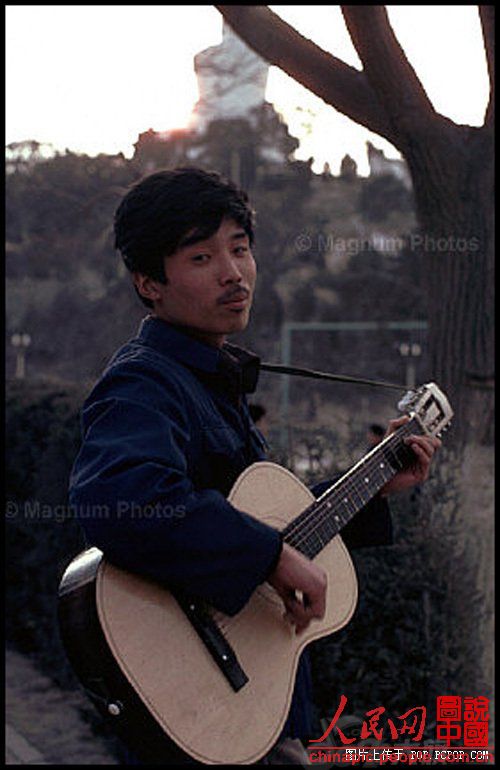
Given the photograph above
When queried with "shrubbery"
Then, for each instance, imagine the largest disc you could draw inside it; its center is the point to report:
(42, 439)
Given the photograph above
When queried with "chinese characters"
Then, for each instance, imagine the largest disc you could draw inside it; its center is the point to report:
(411, 723)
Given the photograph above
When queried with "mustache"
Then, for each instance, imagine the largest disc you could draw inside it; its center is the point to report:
(233, 294)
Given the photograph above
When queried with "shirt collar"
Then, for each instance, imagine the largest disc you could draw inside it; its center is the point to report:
(239, 366)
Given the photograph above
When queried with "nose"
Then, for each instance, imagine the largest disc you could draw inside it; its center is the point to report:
(229, 269)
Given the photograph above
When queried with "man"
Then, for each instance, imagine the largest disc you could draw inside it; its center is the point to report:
(168, 422)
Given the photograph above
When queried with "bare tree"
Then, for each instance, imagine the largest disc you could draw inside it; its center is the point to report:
(452, 173)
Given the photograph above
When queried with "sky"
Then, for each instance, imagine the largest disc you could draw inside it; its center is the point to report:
(90, 78)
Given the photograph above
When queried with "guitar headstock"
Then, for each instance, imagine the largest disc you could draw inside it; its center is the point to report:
(430, 406)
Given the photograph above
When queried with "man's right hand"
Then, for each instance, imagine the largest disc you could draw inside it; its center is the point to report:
(302, 586)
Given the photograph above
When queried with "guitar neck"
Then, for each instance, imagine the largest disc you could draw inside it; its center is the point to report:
(313, 529)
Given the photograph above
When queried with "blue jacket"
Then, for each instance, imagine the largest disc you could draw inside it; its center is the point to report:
(166, 432)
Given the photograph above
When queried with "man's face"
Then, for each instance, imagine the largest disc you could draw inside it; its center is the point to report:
(209, 285)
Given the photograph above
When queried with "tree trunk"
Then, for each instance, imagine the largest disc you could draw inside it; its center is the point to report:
(453, 183)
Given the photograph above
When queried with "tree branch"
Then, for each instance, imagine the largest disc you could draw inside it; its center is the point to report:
(487, 16)
(343, 87)
(387, 69)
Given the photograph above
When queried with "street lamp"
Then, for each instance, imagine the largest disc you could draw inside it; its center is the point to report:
(410, 351)
(20, 342)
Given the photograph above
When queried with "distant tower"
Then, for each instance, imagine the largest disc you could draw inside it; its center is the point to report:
(232, 81)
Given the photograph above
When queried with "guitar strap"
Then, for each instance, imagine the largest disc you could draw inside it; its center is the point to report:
(300, 372)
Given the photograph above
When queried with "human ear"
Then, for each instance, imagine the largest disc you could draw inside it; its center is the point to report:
(147, 287)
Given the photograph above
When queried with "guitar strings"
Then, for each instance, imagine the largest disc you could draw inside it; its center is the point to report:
(314, 522)
(320, 514)
(299, 533)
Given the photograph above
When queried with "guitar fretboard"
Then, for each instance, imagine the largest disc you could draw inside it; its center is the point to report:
(313, 529)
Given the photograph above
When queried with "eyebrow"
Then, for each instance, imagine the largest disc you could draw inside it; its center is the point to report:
(198, 236)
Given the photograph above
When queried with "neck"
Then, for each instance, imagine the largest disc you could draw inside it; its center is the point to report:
(212, 340)
(313, 529)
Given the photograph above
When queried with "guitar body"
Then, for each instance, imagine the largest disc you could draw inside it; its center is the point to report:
(162, 658)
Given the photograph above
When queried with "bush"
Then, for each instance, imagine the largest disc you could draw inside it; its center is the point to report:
(42, 438)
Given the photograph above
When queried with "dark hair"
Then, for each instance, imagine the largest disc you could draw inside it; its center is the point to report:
(377, 429)
(157, 214)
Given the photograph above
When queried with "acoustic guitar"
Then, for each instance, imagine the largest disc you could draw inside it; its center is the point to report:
(167, 668)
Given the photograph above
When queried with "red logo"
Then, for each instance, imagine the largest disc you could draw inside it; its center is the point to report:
(413, 724)
(462, 719)
(461, 735)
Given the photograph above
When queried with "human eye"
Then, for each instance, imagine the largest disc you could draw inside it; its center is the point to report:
(241, 250)
(200, 259)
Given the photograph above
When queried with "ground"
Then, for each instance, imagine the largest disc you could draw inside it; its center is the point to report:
(46, 725)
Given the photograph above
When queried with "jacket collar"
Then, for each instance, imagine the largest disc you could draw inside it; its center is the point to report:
(234, 365)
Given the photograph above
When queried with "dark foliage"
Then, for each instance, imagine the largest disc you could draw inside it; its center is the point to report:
(42, 432)
(383, 194)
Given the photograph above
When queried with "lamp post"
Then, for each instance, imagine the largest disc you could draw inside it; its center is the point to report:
(410, 351)
(20, 342)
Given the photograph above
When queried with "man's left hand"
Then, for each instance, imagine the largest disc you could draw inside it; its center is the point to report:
(424, 448)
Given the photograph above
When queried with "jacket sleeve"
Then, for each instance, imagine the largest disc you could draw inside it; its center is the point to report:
(371, 526)
(131, 491)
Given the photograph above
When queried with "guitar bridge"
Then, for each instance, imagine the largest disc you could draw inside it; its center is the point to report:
(214, 640)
